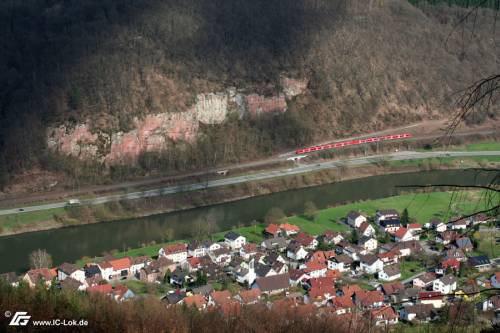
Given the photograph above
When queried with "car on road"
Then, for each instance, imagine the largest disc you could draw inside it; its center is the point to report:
(21, 209)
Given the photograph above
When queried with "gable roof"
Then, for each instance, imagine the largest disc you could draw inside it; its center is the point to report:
(67, 268)
(448, 279)
(275, 242)
(272, 229)
(368, 298)
(174, 248)
(196, 300)
(479, 260)
(231, 235)
(35, 274)
(363, 226)
(463, 242)
(401, 232)
(221, 297)
(100, 288)
(369, 259)
(387, 212)
(392, 270)
(390, 223)
(250, 296)
(354, 215)
(119, 264)
(304, 239)
(313, 266)
(289, 227)
(274, 282)
(392, 288)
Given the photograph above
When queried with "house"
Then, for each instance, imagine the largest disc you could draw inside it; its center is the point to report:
(387, 214)
(459, 224)
(66, 270)
(479, 219)
(370, 264)
(390, 273)
(138, 263)
(447, 264)
(91, 270)
(446, 237)
(341, 263)
(435, 298)
(425, 280)
(246, 276)
(315, 269)
(405, 296)
(368, 243)
(198, 301)
(197, 249)
(331, 237)
(445, 284)
(321, 256)
(204, 290)
(150, 274)
(175, 252)
(418, 312)
(307, 241)
(248, 250)
(234, 240)
(33, 276)
(464, 244)
(106, 270)
(369, 299)
(342, 304)
(366, 229)
(272, 230)
(415, 228)
(221, 257)
(390, 226)
(321, 291)
(495, 280)
(457, 254)
(276, 243)
(354, 219)
(437, 225)
(298, 276)
(173, 297)
(391, 257)
(272, 284)
(492, 303)
(264, 270)
(121, 293)
(392, 288)
(179, 277)
(404, 235)
(481, 263)
(120, 268)
(408, 248)
(296, 251)
(289, 229)
(384, 316)
(71, 284)
(219, 298)
(251, 296)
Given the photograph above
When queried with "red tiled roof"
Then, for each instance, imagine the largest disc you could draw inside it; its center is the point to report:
(497, 276)
(401, 232)
(289, 227)
(272, 229)
(453, 263)
(194, 261)
(250, 247)
(351, 289)
(221, 297)
(319, 292)
(119, 264)
(370, 297)
(304, 239)
(386, 312)
(100, 288)
(35, 274)
(322, 281)
(343, 302)
(333, 274)
(196, 300)
(174, 248)
(363, 226)
(313, 266)
(414, 226)
(249, 296)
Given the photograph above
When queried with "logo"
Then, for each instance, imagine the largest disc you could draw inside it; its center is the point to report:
(20, 318)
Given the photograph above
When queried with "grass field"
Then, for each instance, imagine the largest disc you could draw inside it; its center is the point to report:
(446, 161)
(410, 268)
(10, 221)
(483, 146)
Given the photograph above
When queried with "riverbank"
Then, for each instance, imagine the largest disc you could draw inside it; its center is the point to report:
(71, 243)
(119, 210)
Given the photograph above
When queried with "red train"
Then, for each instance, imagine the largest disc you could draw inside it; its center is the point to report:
(353, 142)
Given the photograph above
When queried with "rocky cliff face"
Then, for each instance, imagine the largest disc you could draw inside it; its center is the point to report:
(154, 132)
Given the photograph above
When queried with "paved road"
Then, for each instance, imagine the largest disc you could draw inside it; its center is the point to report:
(301, 168)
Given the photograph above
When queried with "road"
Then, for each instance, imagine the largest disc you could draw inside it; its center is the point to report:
(301, 168)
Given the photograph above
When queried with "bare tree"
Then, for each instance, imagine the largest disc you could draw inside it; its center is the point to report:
(40, 259)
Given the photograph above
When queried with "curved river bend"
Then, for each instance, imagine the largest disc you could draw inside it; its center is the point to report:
(72, 243)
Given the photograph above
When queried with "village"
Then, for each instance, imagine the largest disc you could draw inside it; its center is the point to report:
(387, 270)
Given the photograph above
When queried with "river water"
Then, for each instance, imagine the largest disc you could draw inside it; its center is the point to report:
(72, 243)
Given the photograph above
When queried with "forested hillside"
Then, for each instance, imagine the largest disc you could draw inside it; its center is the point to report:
(174, 85)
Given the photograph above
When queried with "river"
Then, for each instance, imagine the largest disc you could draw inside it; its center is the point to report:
(72, 243)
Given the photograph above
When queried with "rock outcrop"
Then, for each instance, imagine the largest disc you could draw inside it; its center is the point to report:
(154, 132)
